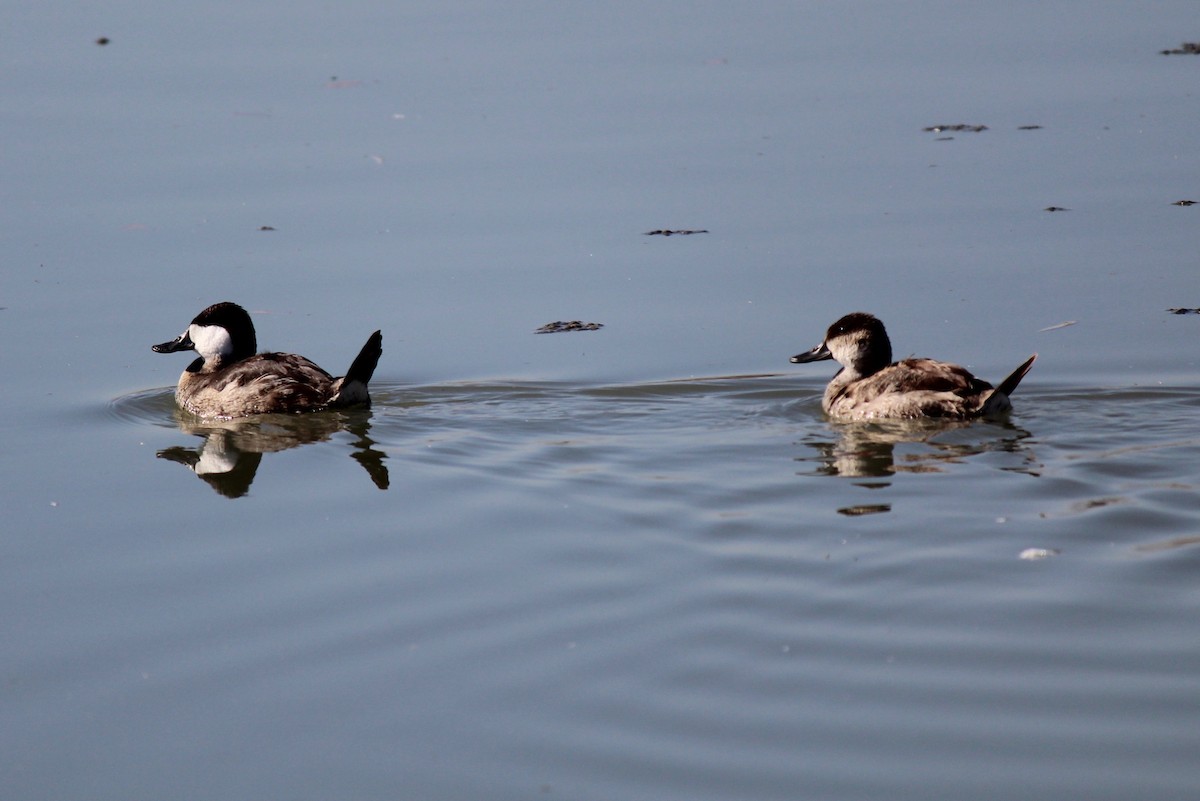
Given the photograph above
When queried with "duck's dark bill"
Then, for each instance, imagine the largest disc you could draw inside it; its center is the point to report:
(184, 342)
(817, 354)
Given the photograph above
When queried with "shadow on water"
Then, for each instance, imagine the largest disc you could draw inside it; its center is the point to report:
(230, 451)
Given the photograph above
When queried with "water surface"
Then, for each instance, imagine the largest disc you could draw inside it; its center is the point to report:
(635, 562)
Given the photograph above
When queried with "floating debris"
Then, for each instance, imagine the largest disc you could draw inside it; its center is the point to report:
(102, 41)
(1185, 49)
(955, 128)
(679, 232)
(1167, 545)
(1033, 554)
(1184, 311)
(1184, 203)
(266, 228)
(865, 509)
(1058, 326)
(1055, 208)
(1029, 127)
(560, 326)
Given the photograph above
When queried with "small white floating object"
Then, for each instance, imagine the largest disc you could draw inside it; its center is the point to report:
(1058, 326)
(1033, 554)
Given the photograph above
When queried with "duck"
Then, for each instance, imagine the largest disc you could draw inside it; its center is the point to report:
(230, 379)
(871, 386)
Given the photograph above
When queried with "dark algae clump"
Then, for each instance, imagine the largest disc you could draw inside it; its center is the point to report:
(1185, 49)
(561, 326)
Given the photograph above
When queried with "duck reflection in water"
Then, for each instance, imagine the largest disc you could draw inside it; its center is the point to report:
(228, 458)
(870, 450)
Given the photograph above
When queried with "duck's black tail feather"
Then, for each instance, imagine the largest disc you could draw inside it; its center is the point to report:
(364, 363)
(351, 389)
(1007, 386)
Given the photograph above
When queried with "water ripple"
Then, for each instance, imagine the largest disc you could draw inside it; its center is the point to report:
(705, 578)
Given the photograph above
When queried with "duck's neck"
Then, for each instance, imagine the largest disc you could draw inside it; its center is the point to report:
(837, 385)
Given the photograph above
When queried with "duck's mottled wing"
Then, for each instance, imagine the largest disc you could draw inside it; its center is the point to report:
(934, 376)
(268, 382)
(285, 381)
(915, 388)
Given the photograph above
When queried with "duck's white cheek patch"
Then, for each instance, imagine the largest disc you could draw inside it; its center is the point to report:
(211, 340)
(215, 461)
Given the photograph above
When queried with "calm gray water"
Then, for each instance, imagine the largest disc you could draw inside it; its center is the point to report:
(634, 563)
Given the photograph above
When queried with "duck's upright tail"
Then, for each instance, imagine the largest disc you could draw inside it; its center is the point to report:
(998, 403)
(351, 388)
(1009, 384)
